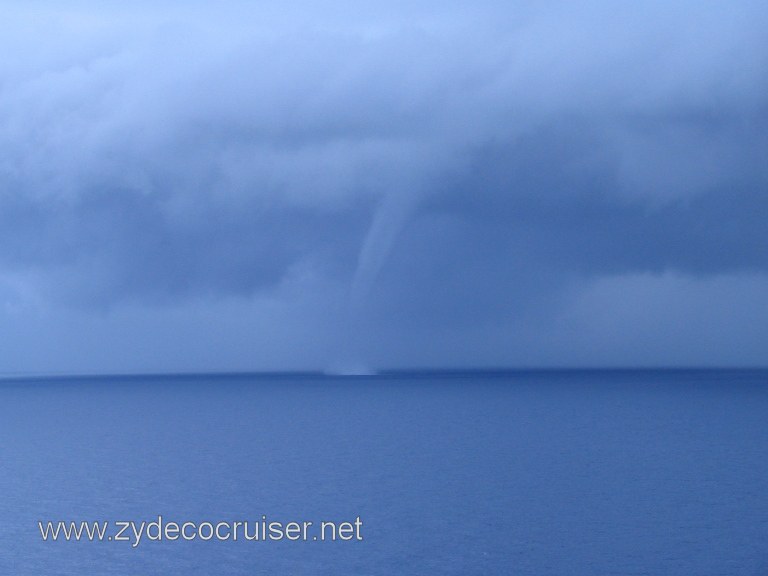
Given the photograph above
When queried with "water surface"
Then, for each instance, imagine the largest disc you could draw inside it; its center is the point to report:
(537, 473)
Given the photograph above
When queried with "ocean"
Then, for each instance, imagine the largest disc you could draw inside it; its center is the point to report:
(489, 473)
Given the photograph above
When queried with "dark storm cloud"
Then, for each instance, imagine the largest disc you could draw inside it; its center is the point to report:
(111, 245)
(442, 166)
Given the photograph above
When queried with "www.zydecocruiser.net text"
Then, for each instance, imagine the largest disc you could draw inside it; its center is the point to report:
(162, 530)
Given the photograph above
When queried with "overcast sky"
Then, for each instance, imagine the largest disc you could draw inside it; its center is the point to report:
(340, 185)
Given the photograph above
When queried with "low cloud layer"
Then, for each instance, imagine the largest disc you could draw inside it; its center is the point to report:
(230, 187)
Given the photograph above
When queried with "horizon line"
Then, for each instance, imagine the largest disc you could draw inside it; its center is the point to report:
(374, 374)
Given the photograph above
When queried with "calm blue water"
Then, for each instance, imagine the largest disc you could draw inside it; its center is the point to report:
(562, 473)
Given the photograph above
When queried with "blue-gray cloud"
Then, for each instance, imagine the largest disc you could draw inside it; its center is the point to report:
(425, 170)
